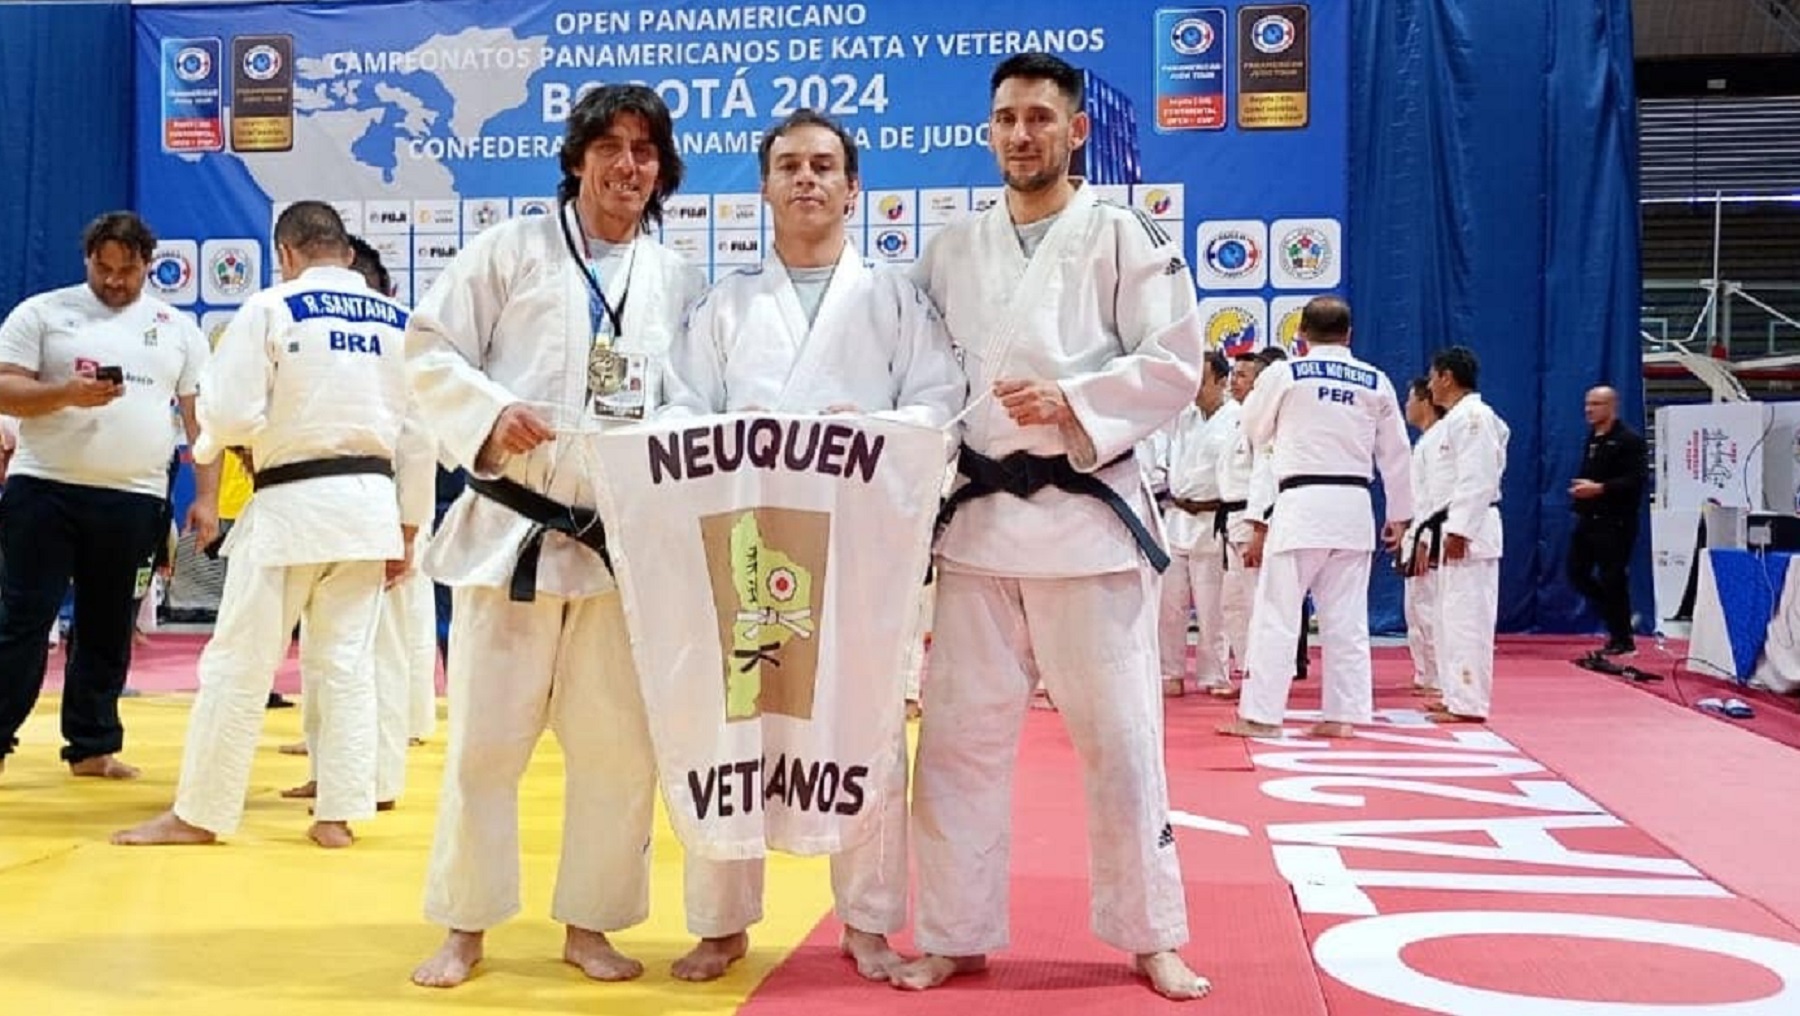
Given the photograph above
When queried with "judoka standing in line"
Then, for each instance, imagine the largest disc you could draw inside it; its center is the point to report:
(1472, 462)
(405, 651)
(543, 328)
(1081, 336)
(1196, 522)
(1420, 552)
(1242, 527)
(814, 330)
(310, 380)
(1328, 416)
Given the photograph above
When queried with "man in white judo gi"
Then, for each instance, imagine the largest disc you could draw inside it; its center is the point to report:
(405, 653)
(541, 330)
(1328, 415)
(814, 330)
(1195, 523)
(1244, 525)
(309, 382)
(1081, 336)
(1421, 552)
(1466, 508)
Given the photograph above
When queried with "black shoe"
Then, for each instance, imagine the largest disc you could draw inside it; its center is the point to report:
(277, 702)
(1616, 647)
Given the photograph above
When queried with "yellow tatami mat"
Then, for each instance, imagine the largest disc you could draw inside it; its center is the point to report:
(271, 925)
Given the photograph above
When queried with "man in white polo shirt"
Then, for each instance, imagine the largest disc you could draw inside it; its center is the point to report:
(90, 371)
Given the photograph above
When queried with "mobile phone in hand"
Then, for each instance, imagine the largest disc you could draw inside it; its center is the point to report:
(115, 374)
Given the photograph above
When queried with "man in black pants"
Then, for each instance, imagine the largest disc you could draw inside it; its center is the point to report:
(1607, 496)
(90, 371)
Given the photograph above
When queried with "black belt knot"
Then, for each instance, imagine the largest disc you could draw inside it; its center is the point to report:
(547, 516)
(1022, 475)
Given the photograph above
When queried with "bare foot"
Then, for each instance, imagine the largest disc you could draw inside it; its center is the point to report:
(875, 959)
(297, 748)
(913, 709)
(596, 957)
(1223, 691)
(1250, 728)
(105, 767)
(1446, 716)
(452, 963)
(928, 972)
(1332, 728)
(1425, 691)
(1174, 687)
(306, 791)
(163, 829)
(1172, 978)
(414, 742)
(331, 835)
(711, 957)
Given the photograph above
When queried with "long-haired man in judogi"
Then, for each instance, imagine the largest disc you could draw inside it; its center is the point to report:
(545, 329)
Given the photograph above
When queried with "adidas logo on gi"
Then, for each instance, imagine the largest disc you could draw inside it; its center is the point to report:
(1166, 838)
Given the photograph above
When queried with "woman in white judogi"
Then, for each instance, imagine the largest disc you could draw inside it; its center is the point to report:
(542, 329)
(814, 330)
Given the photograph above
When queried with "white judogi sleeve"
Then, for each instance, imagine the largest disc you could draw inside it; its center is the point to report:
(233, 403)
(1475, 439)
(448, 342)
(1162, 342)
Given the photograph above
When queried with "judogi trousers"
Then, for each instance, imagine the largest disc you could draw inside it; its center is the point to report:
(1468, 600)
(415, 607)
(396, 687)
(1421, 628)
(1222, 608)
(1175, 604)
(1092, 643)
(1238, 589)
(916, 656)
(515, 669)
(257, 611)
(1339, 583)
(868, 881)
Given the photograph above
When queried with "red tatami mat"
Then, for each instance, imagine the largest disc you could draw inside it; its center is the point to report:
(1594, 852)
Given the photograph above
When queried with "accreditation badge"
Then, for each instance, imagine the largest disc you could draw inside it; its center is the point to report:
(618, 382)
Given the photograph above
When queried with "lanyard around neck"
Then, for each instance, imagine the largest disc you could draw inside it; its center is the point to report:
(600, 309)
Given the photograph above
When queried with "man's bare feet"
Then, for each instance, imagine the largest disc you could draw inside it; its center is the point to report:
(1174, 687)
(1223, 691)
(331, 835)
(711, 957)
(296, 748)
(452, 963)
(305, 791)
(913, 709)
(928, 972)
(1172, 978)
(595, 956)
(414, 742)
(1332, 728)
(875, 959)
(105, 767)
(164, 829)
(1250, 728)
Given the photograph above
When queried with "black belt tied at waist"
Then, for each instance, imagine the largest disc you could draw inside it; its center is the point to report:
(312, 469)
(1323, 480)
(1222, 527)
(1022, 475)
(580, 524)
(1431, 529)
(1196, 507)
